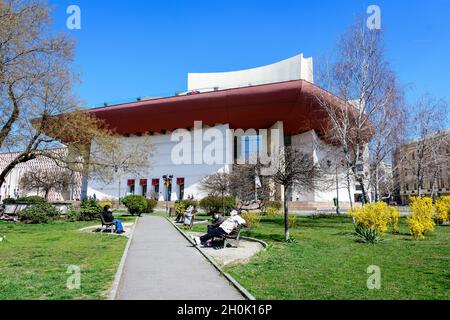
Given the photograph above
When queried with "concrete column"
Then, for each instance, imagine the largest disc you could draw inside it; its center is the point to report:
(279, 125)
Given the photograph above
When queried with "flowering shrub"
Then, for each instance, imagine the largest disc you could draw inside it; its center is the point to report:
(272, 212)
(442, 210)
(395, 217)
(292, 221)
(182, 205)
(252, 218)
(375, 216)
(102, 204)
(422, 219)
(273, 204)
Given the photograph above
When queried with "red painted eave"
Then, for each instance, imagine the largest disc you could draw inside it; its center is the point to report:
(257, 107)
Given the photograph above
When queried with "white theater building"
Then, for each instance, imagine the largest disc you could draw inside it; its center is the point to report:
(228, 105)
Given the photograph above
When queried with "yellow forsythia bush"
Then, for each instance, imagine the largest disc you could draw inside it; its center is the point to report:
(105, 203)
(375, 216)
(292, 221)
(252, 218)
(272, 212)
(442, 210)
(395, 217)
(422, 219)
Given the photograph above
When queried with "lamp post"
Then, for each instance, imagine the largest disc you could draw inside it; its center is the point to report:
(168, 183)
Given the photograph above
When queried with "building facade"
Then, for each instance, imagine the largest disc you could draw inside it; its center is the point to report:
(422, 167)
(275, 103)
(12, 187)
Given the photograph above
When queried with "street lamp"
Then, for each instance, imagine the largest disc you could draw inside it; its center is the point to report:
(168, 183)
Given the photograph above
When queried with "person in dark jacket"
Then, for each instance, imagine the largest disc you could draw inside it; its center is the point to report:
(218, 219)
(108, 217)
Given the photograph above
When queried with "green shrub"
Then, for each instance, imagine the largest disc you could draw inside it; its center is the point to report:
(31, 200)
(273, 204)
(214, 204)
(367, 234)
(252, 218)
(38, 213)
(73, 214)
(89, 210)
(9, 201)
(151, 204)
(135, 204)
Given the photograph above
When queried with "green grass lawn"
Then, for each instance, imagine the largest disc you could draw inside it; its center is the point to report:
(325, 262)
(34, 260)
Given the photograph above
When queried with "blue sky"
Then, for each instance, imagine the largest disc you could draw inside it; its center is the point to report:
(136, 48)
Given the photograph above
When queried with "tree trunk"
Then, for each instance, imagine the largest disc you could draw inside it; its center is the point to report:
(377, 186)
(20, 159)
(349, 191)
(47, 192)
(286, 216)
(364, 192)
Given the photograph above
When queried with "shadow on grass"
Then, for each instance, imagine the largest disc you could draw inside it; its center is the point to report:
(264, 236)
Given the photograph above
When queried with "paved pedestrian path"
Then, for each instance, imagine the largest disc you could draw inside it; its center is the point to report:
(162, 265)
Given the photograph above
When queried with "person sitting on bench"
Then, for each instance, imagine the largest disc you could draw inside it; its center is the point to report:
(189, 215)
(224, 229)
(108, 217)
(218, 219)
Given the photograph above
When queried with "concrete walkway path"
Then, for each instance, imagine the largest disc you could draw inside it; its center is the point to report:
(162, 265)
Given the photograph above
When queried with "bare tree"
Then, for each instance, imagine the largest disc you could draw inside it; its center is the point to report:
(295, 170)
(217, 184)
(47, 181)
(112, 157)
(382, 181)
(249, 187)
(389, 123)
(370, 102)
(38, 109)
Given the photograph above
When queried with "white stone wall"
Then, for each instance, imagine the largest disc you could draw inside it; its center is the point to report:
(321, 152)
(161, 164)
(11, 187)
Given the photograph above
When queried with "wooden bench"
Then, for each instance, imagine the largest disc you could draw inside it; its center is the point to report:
(111, 226)
(235, 235)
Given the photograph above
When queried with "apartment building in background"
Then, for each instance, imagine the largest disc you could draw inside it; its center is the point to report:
(423, 164)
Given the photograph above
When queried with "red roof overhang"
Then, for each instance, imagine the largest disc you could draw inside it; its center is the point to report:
(257, 107)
